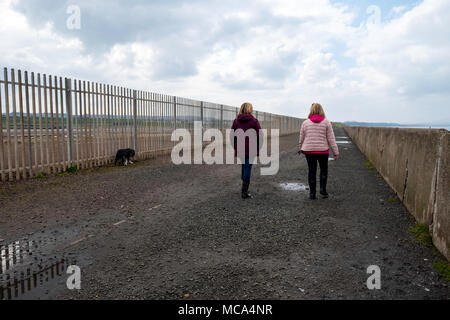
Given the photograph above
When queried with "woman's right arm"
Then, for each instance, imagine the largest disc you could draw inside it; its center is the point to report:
(233, 128)
(302, 137)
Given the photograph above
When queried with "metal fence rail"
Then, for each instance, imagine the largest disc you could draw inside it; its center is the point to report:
(49, 123)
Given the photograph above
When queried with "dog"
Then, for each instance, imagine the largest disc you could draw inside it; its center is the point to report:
(124, 156)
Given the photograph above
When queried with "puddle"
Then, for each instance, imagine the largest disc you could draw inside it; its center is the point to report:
(342, 138)
(343, 142)
(15, 254)
(25, 276)
(330, 159)
(32, 283)
(294, 186)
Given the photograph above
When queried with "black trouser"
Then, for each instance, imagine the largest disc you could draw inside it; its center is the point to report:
(312, 164)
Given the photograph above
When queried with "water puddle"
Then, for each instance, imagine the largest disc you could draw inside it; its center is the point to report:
(15, 254)
(343, 142)
(24, 275)
(293, 186)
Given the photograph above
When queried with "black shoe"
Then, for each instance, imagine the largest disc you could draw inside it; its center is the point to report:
(245, 194)
(324, 194)
(323, 186)
(312, 189)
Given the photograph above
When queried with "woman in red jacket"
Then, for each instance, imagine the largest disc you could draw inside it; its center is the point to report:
(316, 139)
(246, 121)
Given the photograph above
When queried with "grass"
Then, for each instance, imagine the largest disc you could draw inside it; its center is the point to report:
(72, 169)
(443, 268)
(64, 174)
(422, 234)
(369, 165)
(69, 171)
(392, 199)
(40, 176)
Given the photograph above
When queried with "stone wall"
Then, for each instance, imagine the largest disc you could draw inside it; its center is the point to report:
(415, 163)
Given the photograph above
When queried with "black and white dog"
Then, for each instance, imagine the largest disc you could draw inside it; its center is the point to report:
(124, 156)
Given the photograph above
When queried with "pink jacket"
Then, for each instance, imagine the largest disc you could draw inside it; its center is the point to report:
(317, 136)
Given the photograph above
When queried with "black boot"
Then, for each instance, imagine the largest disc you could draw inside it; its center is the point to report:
(312, 189)
(245, 194)
(323, 186)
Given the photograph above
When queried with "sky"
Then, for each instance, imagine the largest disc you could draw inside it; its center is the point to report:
(373, 61)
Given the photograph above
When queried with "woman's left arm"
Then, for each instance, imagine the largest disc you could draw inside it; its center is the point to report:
(332, 140)
(260, 135)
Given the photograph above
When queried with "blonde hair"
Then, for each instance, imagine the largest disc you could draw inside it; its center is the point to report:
(316, 108)
(246, 108)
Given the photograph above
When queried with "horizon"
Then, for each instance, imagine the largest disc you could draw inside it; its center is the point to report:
(446, 125)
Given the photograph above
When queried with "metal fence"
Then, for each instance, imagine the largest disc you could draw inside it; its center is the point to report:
(50, 123)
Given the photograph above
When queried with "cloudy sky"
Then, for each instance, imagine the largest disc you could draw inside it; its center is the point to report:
(377, 60)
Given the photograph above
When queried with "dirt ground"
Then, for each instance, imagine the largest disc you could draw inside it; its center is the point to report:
(160, 231)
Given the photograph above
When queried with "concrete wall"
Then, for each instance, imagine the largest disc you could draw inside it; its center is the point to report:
(415, 163)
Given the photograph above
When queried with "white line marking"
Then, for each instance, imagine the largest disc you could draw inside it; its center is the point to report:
(77, 241)
(120, 222)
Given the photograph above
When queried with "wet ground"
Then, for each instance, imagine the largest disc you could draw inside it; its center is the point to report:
(158, 231)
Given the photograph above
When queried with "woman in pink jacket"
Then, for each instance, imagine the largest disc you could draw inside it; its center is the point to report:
(316, 139)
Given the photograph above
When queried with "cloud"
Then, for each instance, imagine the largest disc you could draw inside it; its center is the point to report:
(280, 55)
(24, 45)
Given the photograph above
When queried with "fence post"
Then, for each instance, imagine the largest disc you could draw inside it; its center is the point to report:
(69, 111)
(201, 114)
(221, 117)
(269, 132)
(175, 112)
(135, 120)
(30, 155)
(280, 124)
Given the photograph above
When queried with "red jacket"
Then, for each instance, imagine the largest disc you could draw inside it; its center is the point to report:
(246, 122)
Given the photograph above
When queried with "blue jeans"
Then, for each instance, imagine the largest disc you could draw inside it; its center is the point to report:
(246, 170)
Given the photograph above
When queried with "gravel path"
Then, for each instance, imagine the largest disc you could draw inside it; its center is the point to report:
(156, 231)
